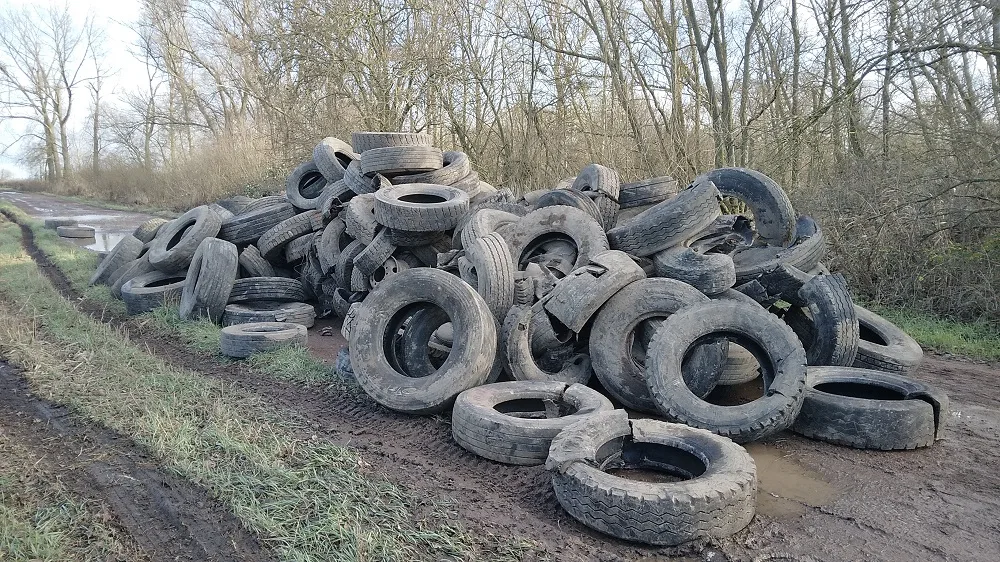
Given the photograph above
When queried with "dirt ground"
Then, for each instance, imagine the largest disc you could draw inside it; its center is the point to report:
(816, 501)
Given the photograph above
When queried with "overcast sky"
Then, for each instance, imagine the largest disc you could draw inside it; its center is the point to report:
(116, 18)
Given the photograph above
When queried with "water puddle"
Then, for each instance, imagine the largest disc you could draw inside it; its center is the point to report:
(785, 487)
(101, 242)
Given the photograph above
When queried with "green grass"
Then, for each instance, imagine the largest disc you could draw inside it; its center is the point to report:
(308, 499)
(977, 341)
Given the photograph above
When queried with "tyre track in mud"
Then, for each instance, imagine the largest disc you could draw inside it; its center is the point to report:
(415, 452)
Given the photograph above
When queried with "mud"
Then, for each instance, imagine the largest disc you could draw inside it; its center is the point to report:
(168, 517)
(816, 501)
(109, 226)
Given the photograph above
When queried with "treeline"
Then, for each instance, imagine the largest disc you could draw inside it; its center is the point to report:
(879, 117)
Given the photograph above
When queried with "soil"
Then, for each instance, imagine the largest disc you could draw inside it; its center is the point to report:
(816, 501)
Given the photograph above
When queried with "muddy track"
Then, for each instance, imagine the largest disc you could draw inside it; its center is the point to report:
(168, 517)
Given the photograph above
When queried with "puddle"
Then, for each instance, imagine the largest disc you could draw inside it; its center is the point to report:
(786, 487)
(101, 242)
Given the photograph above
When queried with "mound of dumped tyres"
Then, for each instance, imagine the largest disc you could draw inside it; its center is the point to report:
(540, 319)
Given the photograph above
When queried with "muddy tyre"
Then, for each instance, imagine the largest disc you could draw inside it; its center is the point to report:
(741, 367)
(773, 215)
(569, 198)
(778, 351)
(209, 280)
(555, 223)
(868, 409)
(456, 166)
(151, 290)
(421, 207)
(494, 273)
(359, 219)
(243, 340)
(175, 244)
(123, 253)
(401, 160)
(514, 422)
(273, 242)
(269, 311)
(885, 347)
(517, 334)
(577, 297)
(55, 223)
(716, 498)
(468, 365)
(328, 245)
(668, 224)
(131, 270)
(75, 231)
(828, 326)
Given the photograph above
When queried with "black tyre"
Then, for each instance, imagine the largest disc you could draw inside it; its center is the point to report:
(514, 422)
(773, 215)
(252, 289)
(480, 223)
(401, 160)
(361, 184)
(269, 311)
(804, 254)
(468, 365)
(332, 156)
(709, 273)
(247, 227)
(148, 229)
(304, 186)
(243, 340)
(670, 223)
(828, 326)
(741, 367)
(175, 244)
(328, 245)
(124, 252)
(569, 198)
(548, 224)
(371, 258)
(715, 497)
(364, 141)
(344, 270)
(494, 273)
(869, 409)
(780, 355)
(272, 243)
(647, 192)
(421, 207)
(152, 290)
(209, 280)
(603, 184)
(359, 219)
(129, 271)
(253, 264)
(299, 248)
(885, 347)
(456, 167)
(577, 297)
(262, 202)
(516, 337)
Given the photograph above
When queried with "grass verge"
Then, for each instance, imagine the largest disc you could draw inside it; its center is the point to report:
(977, 341)
(309, 500)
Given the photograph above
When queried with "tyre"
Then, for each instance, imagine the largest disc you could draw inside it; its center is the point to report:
(148, 229)
(272, 243)
(668, 224)
(131, 270)
(409, 238)
(603, 184)
(883, 346)
(804, 254)
(361, 184)
(124, 252)
(234, 204)
(577, 297)
(773, 216)
(516, 337)
(328, 245)
(252, 289)
(780, 354)
(481, 223)
(332, 157)
(569, 198)
(253, 264)
(494, 273)
(741, 367)
(715, 496)
(413, 355)
(647, 192)
(401, 160)
(561, 223)
(456, 167)
(616, 335)
(243, 340)
(175, 244)
(262, 202)
(514, 422)
(269, 311)
(344, 270)
(709, 273)
(359, 219)
(56, 222)
(209, 280)
(247, 227)
(75, 231)
(224, 213)
(371, 258)
(468, 365)
(299, 248)
(828, 326)
(304, 186)
(149, 291)
(868, 409)
(364, 141)
(420, 207)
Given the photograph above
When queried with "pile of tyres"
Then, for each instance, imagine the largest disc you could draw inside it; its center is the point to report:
(543, 320)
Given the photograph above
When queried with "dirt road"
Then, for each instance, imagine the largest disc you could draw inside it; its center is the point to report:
(816, 501)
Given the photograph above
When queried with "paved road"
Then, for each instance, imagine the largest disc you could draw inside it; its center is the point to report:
(109, 226)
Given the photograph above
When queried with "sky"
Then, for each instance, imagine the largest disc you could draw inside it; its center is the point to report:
(116, 18)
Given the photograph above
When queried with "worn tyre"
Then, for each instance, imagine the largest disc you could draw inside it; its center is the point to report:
(715, 497)
(668, 224)
(868, 409)
(517, 334)
(253, 264)
(420, 207)
(647, 192)
(243, 340)
(247, 227)
(75, 231)
(152, 290)
(175, 244)
(209, 280)
(468, 365)
(401, 160)
(366, 140)
(569, 198)
(332, 156)
(577, 297)
(828, 326)
(272, 243)
(359, 219)
(56, 222)
(603, 184)
(494, 273)
(456, 167)
(779, 352)
(252, 289)
(148, 229)
(885, 347)
(544, 225)
(514, 422)
(269, 311)
(709, 273)
(773, 215)
(129, 271)
(304, 186)
(125, 251)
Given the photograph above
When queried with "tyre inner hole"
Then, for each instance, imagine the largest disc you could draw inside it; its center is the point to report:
(535, 408)
(861, 390)
(263, 329)
(176, 238)
(869, 335)
(695, 365)
(653, 462)
(164, 282)
(410, 344)
(422, 198)
(312, 184)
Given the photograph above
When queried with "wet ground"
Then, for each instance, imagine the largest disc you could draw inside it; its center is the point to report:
(816, 501)
(109, 226)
